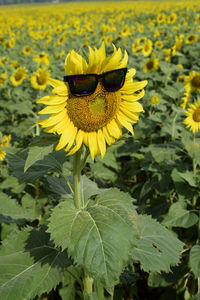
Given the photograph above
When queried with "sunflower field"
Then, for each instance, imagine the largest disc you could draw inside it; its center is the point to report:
(100, 151)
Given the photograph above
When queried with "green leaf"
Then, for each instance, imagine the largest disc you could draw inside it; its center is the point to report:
(167, 279)
(10, 209)
(89, 188)
(52, 161)
(99, 237)
(157, 248)
(178, 216)
(29, 265)
(194, 260)
(36, 153)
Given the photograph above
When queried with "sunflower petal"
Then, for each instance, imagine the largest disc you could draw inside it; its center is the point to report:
(101, 142)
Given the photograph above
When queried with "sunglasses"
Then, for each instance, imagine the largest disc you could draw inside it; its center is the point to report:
(85, 84)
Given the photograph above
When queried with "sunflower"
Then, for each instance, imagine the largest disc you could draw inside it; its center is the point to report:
(192, 81)
(172, 18)
(155, 99)
(161, 18)
(3, 77)
(191, 38)
(192, 121)
(97, 119)
(159, 44)
(147, 48)
(18, 76)
(42, 58)
(39, 79)
(2, 154)
(151, 65)
(27, 50)
(186, 97)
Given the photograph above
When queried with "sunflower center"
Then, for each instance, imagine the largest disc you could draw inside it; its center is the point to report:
(196, 115)
(150, 65)
(95, 111)
(196, 81)
(18, 76)
(41, 79)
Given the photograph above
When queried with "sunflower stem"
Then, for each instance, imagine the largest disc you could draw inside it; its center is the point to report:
(194, 160)
(88, 287)
(173, 127)
(77, 175)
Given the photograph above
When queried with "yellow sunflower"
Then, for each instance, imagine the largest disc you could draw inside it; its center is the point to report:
(39, 79)
(147, 48)
(192, 81)
(18, 76)
(97, 119)
(192, 121)
(151, 65)
(42, 58)
(3, 77)
(27, 50)
(191, 38)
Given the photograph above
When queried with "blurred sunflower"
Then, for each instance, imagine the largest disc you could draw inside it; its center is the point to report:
(159, 44)
(172, 18)
(98, 118)
(4, 143)
(3, 77)
(147, 48)
(192, 81)
(161, 18)
(192, 121)
(18, 76)
(155, 99)
(42, 58)
(186, 98)
(151, 65)
(39, 79)
(191, 38)
(27, 50)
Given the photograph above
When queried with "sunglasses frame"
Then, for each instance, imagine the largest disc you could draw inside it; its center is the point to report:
(97, 76)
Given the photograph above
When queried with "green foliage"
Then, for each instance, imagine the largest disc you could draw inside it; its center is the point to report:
(92, 234)
(29, 264)
(157, 248)
(195, 260)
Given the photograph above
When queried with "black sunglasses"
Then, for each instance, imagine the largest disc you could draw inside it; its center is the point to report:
(85, 84)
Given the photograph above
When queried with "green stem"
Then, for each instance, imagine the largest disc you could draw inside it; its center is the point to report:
(194, 160)
(77, 175)
(87, 283)
(173, 127)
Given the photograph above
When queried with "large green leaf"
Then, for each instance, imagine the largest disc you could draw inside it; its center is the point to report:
(99, 237)
(157, 248)
(52, 161)
(11, 210)
(194, 260)
(29, 265)
(179, 216)
(39, 148)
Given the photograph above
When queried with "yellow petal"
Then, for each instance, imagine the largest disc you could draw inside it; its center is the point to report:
(125, 124)
(109, 139)
(52, 100)
(92, 144)
(54, 119)
(124, 61)
(79, 142)
(52, 109)
(114, 130)
(132, 106)
(129, 76)
(133, 97)
(67, 134)
(101, 143)
(131, 87)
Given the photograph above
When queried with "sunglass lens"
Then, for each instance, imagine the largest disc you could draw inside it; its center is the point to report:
(82, 85)
(114, 80)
